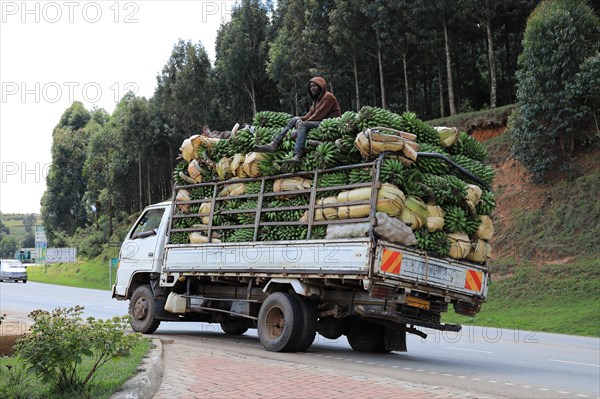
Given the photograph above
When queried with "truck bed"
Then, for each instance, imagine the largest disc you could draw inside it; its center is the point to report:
(345, 259)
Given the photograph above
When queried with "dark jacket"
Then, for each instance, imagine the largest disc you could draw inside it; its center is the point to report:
(324, 106)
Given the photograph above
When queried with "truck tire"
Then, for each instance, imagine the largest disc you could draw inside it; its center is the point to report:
(234, 327)
(309, 323)
(280, 323)
(366, 336)
(330, 327)
(142, 310)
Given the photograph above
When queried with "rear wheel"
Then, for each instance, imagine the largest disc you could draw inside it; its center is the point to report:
(365, 336)
(24, 281)
(142, 310)
(309, 323)
(234, 327)
(280, 323)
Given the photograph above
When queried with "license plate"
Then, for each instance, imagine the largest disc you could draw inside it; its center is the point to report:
(417, 302)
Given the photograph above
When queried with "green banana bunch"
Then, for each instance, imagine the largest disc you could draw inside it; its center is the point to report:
(455, 219)
(198, 193)
(179, 238)
(324, 156)
(348, 124)
(182, 166)
(357, 176)
(331, 180)
(410, 183)
(468, 146)
(437, 242)
(241, 235)
(243, 142)
(328, 130)
(439, 187)
(434, 166)
(271, 119)
(377, 117)
(425, 133)
(247, 218)
(391, 171)
(264, 135)
(486, 204)
(484, 172)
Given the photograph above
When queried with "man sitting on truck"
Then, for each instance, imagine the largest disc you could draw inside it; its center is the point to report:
(324, 106)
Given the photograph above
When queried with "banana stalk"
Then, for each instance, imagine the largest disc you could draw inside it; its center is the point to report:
(233, 190)
(481, 251)
(435, 218)
(237, 166)
(251, 163)
(224, 168)
(195, 171)
(473, 196)
(183, 195)
(448, 135)
(486, 228)
(414, 213)
(460, 245)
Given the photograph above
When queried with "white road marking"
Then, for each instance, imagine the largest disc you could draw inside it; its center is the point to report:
(581, 364)
(564, 392)
(467, 350)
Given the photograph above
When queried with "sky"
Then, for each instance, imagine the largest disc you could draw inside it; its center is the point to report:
(55, 52)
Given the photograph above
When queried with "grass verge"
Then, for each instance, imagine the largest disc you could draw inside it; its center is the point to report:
(18, 383)
(85, 274)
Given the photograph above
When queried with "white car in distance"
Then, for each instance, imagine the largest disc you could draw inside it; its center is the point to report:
(12, 269)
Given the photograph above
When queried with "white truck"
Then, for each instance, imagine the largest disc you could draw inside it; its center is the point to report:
(371, 290)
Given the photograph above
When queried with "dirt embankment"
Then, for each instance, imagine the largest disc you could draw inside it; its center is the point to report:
(515, 190)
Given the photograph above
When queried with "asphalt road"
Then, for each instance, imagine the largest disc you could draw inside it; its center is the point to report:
(510, 363)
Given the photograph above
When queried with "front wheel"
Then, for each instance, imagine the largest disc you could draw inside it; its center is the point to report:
(280, 323)
(142, 309)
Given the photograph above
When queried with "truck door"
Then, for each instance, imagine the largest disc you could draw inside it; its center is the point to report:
(141, 249)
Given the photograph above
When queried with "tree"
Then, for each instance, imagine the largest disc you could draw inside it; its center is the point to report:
(287, 64)
(347, 36)
(242, 51)
(62, 205)
(559, 37)
(29, 221)
(8, 245)
(3, 229)
(181, 90)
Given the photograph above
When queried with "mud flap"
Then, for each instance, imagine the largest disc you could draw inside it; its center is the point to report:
(395, 338)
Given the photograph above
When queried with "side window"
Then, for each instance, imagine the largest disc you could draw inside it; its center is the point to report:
(148, 222)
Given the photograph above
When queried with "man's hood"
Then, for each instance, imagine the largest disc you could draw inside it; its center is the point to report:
(322, 84)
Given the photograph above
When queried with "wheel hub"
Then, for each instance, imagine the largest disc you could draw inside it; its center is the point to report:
(140, 310)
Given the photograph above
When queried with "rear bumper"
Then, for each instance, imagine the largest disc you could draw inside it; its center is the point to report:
(374, 312)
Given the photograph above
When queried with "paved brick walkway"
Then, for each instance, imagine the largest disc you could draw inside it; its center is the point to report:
(199, 371)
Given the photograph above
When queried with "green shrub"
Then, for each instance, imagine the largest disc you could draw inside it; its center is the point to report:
(59, 341)
(15, 382)
(551, 105)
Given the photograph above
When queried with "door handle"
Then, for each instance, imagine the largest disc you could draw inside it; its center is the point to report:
(150, 254)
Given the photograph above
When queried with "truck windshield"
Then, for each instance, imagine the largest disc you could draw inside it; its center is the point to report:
(149, 222)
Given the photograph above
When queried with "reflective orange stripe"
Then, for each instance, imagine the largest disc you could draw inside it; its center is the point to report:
(391, 261)
(473, 280)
